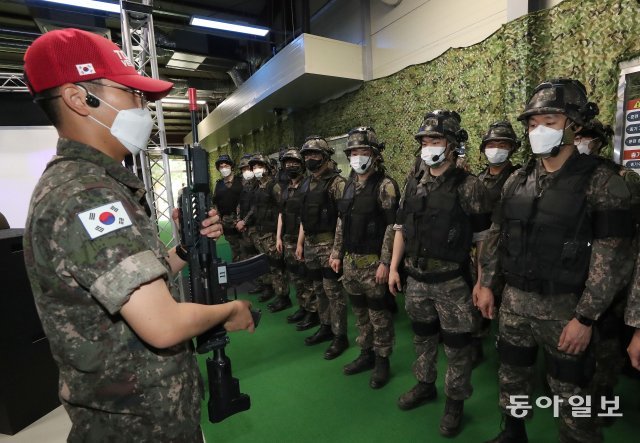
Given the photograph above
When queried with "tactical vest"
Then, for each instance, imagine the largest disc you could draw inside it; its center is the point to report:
(291, 206)
(436, 225)
(246, 198)
(494, 193)
(319, 212)
(546, 236)
(266, 208)
(227, 198)
(363, 220)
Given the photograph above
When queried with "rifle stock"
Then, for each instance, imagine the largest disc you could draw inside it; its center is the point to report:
(209, 276)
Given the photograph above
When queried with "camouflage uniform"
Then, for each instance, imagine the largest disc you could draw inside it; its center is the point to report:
(114, 386)
(229, 190)
(529, 319)
(245, 213)
(438, 296)
(264, 236)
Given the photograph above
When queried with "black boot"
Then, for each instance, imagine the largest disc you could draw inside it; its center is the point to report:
(418, 395)
(310, 320)
(279, 305)
(451, 421)
(296, 316)
(380, 374)
(514, 431)
(339, 344)
(267, 294)
(364, 362)
(322, 334)
(477, 354)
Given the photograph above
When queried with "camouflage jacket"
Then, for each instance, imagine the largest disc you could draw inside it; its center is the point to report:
(387, 199)
(610, 257)
(88, 244)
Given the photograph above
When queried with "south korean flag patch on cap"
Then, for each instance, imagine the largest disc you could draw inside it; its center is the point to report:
(104, 219)
(85, 69)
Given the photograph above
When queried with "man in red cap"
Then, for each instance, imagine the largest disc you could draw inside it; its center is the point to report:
(100, 275)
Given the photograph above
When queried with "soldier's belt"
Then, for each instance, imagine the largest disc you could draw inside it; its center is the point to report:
(542, 287)
(362, 261)
(433, 277)
(323, 237)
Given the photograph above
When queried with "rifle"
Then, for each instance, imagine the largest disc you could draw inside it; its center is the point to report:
(209, 276)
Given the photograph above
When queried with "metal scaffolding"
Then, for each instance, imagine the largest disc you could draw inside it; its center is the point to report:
(139, 45)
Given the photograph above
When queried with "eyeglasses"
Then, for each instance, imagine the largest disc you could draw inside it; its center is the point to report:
(139, 94)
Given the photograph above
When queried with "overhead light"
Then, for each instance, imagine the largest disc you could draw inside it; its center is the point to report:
(226, 26)
(91, 4)
(181, 101)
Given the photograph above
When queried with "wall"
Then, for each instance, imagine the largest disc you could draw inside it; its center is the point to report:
(419, 30)
(25, 152)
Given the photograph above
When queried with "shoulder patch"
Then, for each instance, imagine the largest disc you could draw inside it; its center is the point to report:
(104, 219)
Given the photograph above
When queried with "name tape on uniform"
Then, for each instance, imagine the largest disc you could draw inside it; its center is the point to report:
(105, 219)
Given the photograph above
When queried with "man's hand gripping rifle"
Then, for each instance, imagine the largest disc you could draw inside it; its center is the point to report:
(209, 276)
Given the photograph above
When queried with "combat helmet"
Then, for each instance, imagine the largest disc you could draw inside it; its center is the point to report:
(315, 143)
(244, 161)
(597, 130)
(363, 137)
(442, 123)
(260, 158)
(291, 153)
(561, 96)
(501, 131)
(224, 158)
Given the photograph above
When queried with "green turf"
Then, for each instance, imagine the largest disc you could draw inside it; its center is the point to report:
(297, 396)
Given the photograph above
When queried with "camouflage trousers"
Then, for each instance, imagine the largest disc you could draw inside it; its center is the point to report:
(297, 275)
(373, 318)
(93, 426)
(246, 248)
(447, 309)
(520, 338)
(232, 236)
(265, 243)
(331, 301)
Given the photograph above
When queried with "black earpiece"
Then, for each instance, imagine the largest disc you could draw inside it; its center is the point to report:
(92, 101)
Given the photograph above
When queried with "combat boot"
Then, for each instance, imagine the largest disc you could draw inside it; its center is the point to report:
(279, 305)
(267, 294)
(257, 289)
(339, 344)
(451, 421)
(514, 431)
(380, 374)
(418, 395)
(364, 362)
(296, 316)
(322, 334)
(310, 320)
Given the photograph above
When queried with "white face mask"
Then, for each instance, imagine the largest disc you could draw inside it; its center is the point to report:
(132, 127)
(433, 155)
(225, 172)
(258, 172)
(583, 147)
(360, 163)
(543, 139)
(247, 175)
(496, 156)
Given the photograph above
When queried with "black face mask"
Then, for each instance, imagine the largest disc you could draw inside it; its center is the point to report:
(313, 165)
(293, 171)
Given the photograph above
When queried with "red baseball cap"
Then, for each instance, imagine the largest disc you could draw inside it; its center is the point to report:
(72, 55)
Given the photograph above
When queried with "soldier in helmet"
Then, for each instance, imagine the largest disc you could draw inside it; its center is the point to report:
(362, 247)
(321, 192)
(226, 195)
(287, 239)
(560, 238)
(266, 199)
(498, 145)
(441, 210)
(591, 139)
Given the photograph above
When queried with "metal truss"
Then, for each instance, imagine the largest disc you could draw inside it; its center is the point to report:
(12, 82)
(139, 45)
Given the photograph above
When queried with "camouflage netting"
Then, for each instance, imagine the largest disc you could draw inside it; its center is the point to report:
(489, 81)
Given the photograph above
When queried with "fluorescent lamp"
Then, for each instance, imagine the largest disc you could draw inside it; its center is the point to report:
(91, 4)
(181, 101)
(226, 26)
